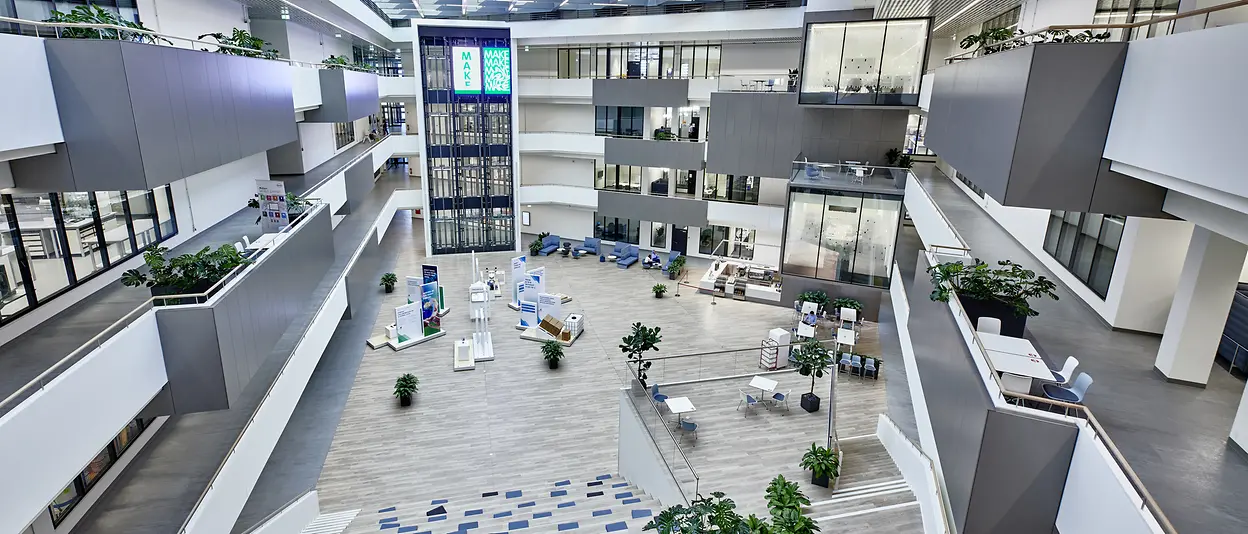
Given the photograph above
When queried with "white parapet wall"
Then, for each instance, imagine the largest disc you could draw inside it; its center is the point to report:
(920, 475)
(26, 100)
(640, 460)
(1098, 497)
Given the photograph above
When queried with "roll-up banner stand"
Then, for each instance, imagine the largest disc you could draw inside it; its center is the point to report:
(429, 309)
(517, 274)
(548, 304)
(407, 322)
(413, 284)
(274, 213)
(429, 273)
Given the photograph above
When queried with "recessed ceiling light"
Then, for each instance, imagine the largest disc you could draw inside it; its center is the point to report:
(338, 35)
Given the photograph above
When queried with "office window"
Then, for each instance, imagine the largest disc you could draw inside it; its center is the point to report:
(841, 235)
(699, 61)
(42, 233)
(659, 186)
(64, 502)
(1126, 11)
(864, 63)
(686, 183)
(624, 178)
(1009, 20)
(619, 121)
(617, 229)
(344, 134)
(731, 188)
(974, 188)
(76, 489)
(1086, 244)
(916, 133)
(712, 241)
(658, 235)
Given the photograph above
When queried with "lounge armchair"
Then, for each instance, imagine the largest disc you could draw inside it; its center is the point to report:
(629, 257)
(675, 254)
(550, 244)
(620, 250)
(590, 246)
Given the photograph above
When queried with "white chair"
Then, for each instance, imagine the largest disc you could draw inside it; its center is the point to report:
(779, 398)
(748, 400)
(849, 315)
(1015, 383)
(247, 241)
(238, 246)
(988, 325)
(1068, 371)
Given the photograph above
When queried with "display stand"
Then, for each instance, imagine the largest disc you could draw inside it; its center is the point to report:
(479, 311)
(464, 360)
(565, 331)
(397, 345)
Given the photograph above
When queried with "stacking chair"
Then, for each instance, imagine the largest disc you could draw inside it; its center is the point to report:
(238, 246)
(782, 398)
(844, 361)
(690, 426)
(988, 325)
(1074, 394)
(1013, 383)
(855, 363)
(748, 400)
(658, 397)
(869, 365)
(1068, 371)
(246, 241)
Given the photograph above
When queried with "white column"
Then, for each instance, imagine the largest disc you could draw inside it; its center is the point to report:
(1239, 428)
(1201, 303)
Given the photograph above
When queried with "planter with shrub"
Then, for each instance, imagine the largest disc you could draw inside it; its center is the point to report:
(824, 465)
(388, 281)
(677, 265)
(813, 360)
(404, 387)
(717, 513)
(846, 302)
(816, 296)
(552, 352)
(295, 206)
(241, 39)
(184, 274)
(659, 290)
(1005, 292)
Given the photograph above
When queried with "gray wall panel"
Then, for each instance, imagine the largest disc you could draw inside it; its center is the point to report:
(1023, 464)
(1121, 194)
(647, 153)
(360, 279)
(641, 93)
(868, 296)
(188, 337)
(677, 211)
(362, 95)
(181, 115)
(48, 172)
(153, 119)
(359, 181)
(346, 96)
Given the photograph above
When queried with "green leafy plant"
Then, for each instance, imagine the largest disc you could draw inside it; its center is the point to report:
(241, 39)
(817, 297)
(1000, 39)
(93, 14)
(813, 360)
(785, 501)
(821, 462)
(535, 246)
(892, 155)
(341, 62)
(186, 273)
(552, 352)
(388, 281)
(987, 37)
(905, 161)
(635, 345)
(718, 514)
(846, 302)
(406, 385)
(677, 264)
(1010, 284)
(659, 290)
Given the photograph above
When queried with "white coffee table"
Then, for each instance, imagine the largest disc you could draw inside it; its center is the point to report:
(764, 385)
(679, 406)
(1012, 345)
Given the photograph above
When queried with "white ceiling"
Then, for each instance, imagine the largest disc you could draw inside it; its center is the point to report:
(413, 9)
(949, 15)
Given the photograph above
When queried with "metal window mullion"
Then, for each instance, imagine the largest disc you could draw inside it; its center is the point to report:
(23, 261)
(98, 223)
(125, 208)
(62, 239)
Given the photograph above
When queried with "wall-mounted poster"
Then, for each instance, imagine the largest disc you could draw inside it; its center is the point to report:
(413, 284)
(429, 309)
(517, 274)
(274, 214)
(496, 70)
(429, 273)
(407, 322)
(528, 314)
(548, 304)
(466, 69)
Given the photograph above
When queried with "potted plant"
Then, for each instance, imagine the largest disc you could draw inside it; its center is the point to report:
(388, 281)
(673, 270)
(816, 296)
(823, 464)
(1005, 292)
(717, 513)
(404, 387)
(93, 14)
(785, 501)
(892, 155)
(813, 360)
(635, 345)
(659, 290)
(187, 273)
(241, 39)
(552, 352)
(845, 302)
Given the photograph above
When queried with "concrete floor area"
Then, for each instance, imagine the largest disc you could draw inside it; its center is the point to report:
(1173, 436)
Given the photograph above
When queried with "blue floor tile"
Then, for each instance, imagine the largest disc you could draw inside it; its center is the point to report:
(438, 501)
(638, 514)
(503, 514)
(473, 524)
(598, 513)
(566, 504)
(385, 526)
(624, 495)
(540, 515)
(516, 525)
(388, 520)
(384, 510)
(526, 504)
(478, 511)
(634, 500)
(612, 527)
(563, 483)
(408, 529)
(558, 493)
(569, 526)
(437, 518)
(514, 493)
(620, 485)
(602, 477)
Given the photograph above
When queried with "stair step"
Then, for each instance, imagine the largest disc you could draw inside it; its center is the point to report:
(531, 522)
(333, 523)
(860, 501)
(534, 488)
(523, 505)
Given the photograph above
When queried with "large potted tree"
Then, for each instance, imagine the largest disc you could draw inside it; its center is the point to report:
(1004, 292)
(635, 345)
(813, 360)
(184, 274)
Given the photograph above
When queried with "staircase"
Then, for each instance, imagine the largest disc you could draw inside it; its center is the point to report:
(603, 503)
(871, 495)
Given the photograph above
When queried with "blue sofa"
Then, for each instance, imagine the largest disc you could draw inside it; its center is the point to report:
(629, 257)
(675, 254)
(550, 244)
(590, 246)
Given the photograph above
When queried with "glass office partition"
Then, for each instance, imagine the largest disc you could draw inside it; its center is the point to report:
(871, 63)
(845, 236)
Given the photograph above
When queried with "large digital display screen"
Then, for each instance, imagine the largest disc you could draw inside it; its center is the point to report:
(466, 69)
(497, 70)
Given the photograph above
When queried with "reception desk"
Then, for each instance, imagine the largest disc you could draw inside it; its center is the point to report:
(741, 281)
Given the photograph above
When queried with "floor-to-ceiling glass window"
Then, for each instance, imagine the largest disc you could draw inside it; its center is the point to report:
(658, 235)
(617, 229)
(846, 236)
(467, 94)
(731, 188)
(90, 475)
(619, 121)
(344, 134)
(864, 62)
(623, 178)
(1087, 244)
(686, 183)
(51, 242)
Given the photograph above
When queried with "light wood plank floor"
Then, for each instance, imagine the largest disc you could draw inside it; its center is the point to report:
(512, 421)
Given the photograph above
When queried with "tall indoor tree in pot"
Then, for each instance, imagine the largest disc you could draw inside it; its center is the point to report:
(813, 360)
(635, 345)
(1005, 292)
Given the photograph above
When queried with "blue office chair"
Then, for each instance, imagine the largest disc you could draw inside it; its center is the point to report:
(870, 366)
(778, 398)
(658, 397)
(1074, 394)
(690, 426)
(844, 361)
(748, 400)
(855, 363)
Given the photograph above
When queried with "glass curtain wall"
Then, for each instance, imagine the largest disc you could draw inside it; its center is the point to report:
(623, 178)
(51, 242)
(77, 488)
(1087, 244)
(617, 229)
(619, 121)
(344, 134)
(843, 236)
(639, 61)
(864, 63)
(1127, 11)
(686, 183)
(731, 188)
(469, 147)
(916, 133)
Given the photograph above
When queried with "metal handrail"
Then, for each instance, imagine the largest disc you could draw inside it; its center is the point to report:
(697, 481)
(724, 351)
(945, 514)
(119, 29)
(1146, 498)
(279, 510)
(1114, 26)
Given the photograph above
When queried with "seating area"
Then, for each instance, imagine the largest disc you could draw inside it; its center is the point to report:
(550, 244)
(1023, 371)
